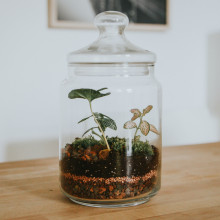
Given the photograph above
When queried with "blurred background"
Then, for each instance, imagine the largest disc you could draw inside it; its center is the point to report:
(33, 64)
(138, 11)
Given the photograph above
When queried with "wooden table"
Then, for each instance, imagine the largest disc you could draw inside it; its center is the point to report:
(190, 190)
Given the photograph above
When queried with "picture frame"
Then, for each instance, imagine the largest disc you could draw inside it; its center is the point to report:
(157, 9)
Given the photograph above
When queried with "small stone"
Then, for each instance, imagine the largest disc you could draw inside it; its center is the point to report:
(116, 192)
(123, 195)
(111, 188)
(127, 191)
(102, 190)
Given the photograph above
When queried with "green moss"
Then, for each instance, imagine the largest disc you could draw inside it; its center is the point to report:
(140, 147)
(115, 143)
(84, 143)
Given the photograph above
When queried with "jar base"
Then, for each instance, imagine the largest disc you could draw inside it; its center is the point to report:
(116, 203)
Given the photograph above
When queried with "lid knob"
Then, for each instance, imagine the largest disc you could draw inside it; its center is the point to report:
(111, 21)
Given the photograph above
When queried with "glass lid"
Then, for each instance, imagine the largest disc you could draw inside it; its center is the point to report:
(111, 45)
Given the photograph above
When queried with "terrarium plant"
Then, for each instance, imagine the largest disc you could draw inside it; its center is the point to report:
(96, 166)
(102, 121)
(144, 126)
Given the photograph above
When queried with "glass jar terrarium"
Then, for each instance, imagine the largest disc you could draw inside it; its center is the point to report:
(110, 141)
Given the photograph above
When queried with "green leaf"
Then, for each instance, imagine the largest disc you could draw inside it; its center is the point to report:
(101, 89)
(89, 94)
(88, 130)
(84, 119)
(105, 121)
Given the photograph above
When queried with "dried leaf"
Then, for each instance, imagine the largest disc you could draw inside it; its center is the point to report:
(129, 125)
(148, 109)
(136, 113)
(145, 127)
(153, 129)
(103, 154)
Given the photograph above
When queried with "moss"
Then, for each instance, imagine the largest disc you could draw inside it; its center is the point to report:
(84, 143)
(140, 147)
(115, 143)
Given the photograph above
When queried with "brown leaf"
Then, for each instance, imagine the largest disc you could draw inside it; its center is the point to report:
(153, 129)
(148, 109)
(103, 154)
(145, 127)
(87, 157)
(129, 125)
(136, 113)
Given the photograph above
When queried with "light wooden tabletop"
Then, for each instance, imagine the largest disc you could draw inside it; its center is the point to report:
(190, 190)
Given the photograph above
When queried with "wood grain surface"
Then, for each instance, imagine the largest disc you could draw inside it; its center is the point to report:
(190, 190)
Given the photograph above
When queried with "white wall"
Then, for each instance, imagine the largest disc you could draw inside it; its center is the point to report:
(33, 63)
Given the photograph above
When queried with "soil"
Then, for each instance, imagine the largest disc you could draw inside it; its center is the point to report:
(89, 175)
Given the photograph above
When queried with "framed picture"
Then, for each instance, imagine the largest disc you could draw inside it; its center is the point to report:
(142, 14)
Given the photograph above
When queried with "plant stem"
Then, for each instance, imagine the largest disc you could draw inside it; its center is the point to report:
(103, 134)
(138, 127)
(93, 132)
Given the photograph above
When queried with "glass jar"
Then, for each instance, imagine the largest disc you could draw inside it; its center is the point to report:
(110, 140)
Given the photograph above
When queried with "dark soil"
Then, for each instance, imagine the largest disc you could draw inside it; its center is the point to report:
(117, 164)
(85, 175)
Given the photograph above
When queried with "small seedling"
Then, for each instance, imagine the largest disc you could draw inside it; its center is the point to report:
(102, 121)
(143, 126)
